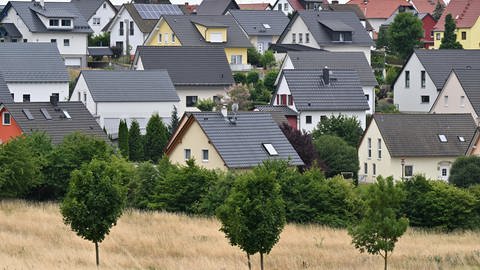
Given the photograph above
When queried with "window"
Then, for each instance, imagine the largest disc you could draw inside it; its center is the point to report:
(279, 6)
(445, 101)
(216, 37)
(6, 119)
(444, 172)
(407, 79)
(104, 5)
(191, 101)
(236, 60)
(307, 37)
(365, 168)
(119, 44)
(132, 28)
(367, 96)
(464, 35)
(25, 40)
(408, 171)
(173, 38)
(13, 96)
(342, 36)
(66, 23)
(121, 29)
(260, 47)
(462, 139)
(425, 99)
(285, 7)
(374, 169)
(284, 99)
(96, 21)
(290, 100)
(442, 138)
(379, 148)
(266, 26)
(26, 98)
(438, 36)
(369, 147)
(159, 38)
(323, 118)
(54, 22)
(66, 42)
(85, 97)
(308, 119)
(205, 154)
(294, 38)
(188, 154)
(66, 114)
(270, 149)
(300, 38)
(53, 40)
(28, 114)
(79, 96)
(422, 79)
(462, 101)
(278, 99)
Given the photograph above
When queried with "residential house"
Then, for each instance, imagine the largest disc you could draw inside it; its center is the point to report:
(290, 6)
(465, 13)
(402, 145)
(233, 141)
(55, 119)
(316, 94)
(216, 7)
(5, 96)
(427, 24)
(98, 13)
(424, 74)
(352, 8)
(134, 22)
(263, 27)
(197, 72)
(255, 6)
(329, 30)
(426, 6)
(56, 22)
(131, 95)
(336, 60)
(203, 30)
(9, 33)
(281, 114)
(33, 71)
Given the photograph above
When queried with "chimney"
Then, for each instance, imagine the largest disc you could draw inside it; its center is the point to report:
(54, 100)
(42, 3)
(326, 75)
(224, 111)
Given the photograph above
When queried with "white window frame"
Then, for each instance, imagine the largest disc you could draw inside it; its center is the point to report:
(379, 152)
(96, 21)
(236, 60)
(405, 171)
(369, 147)
(9, 119)
(189, 151)
(216, 37)
(66, 42)
(203, 155)
(462, 101)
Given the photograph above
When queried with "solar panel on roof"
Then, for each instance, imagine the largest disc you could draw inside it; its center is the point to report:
(28, 114)
(155, 11)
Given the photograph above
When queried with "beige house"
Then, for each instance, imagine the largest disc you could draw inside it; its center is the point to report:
(402, 145)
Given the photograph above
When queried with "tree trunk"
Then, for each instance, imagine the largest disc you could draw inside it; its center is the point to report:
(261, 261)
(385, 259)
(96, 253)
(249, 263)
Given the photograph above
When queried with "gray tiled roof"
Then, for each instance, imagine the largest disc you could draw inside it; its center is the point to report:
(28, 13)
(99, 51)
(88, 7)
(130, 86)
(416, 135)
(59, 126)
(188, 65)
(240, 144)
(335, 60)
(253, 21)
(188, 34)
(470, 81)
(283, 109)
(216, 7)
(5, 96)
(11, 30)
(32, 62)
(344, 93)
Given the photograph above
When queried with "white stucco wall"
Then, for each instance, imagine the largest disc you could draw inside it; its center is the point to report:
(283, 3)
(376, 23)
(203, 92)
(39, 92)
(105, 15)
(297, 27)
(316, 116)
(137, 39)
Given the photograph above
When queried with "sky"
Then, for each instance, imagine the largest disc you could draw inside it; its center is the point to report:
(119, 2)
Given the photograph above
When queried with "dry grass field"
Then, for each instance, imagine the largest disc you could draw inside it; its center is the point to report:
(33, 236)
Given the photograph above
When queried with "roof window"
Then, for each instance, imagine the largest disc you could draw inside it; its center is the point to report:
(442, 138)
(266, 26)
(461, 138)
(28, 114)
(67, 115)
(270, 149)
(46, 114)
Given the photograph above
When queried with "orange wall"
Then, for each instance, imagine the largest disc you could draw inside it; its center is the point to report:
(11, 131)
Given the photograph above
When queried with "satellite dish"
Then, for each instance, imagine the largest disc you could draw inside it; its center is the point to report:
(235, 107)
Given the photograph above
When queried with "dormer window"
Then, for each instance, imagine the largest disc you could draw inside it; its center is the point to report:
(342, 36)
(66, 23)
(54, 22)
(339, 31)
(60, 23)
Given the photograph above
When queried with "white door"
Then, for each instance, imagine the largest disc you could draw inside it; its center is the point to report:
(77, 62)
(444, 172)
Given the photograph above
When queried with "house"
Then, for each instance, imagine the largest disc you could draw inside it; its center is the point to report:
(56, 119)
(233, 141)
(196, 72)
(98, 13)
(465, 13)
(134, 22)
(216, 7)
(328, 30)
(426, 6)
(114, 95)
(290, 6)
(336, 60)
(424, 74)
(33, 71)
(428, 22)
(281, 114)
(9, 33)
(5, 96)
(203, 30)
(352, 8)
(316, 94)
(56, 22)
(263, 27)
(255, 6)
(402, 145)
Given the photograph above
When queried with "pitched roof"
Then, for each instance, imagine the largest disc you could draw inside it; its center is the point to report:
(470, 81)
(59, 126)
(379, 9)
(188, 34)
(146, 25)
(99, 51)
(254, 6)
(464, 12)
(130, 86)
(350, 8)
(416, 135)
(335, 60)
(5, 96)
(284, 48)
(216, 7)
(240, 144)
(426, 6)
(32, 62)
(88, 7)
(296, 4)
(261, 22)
(188, 65)
(281, 108)
(310, 93)
(28, 11)
(10, 30)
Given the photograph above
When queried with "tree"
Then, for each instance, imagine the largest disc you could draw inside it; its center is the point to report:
(382, 39)
(404, 34)
(95, 200)
(253, 215)
(123, 137)
(347, 128)
(135, 143)
(338, 156)
(174, 121)
(268, 59)
(156, 138)
(380, 228)
(303, 145)
(206, 105)
(269, 80)
(240, 77)
(252, 77)
(259, 94)
(239, 94)
(465, 171)
(101, 40)
(449, 40)
(438, 11)
(253, 57)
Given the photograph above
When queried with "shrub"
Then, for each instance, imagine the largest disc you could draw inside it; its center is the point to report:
(253, 57)
(269, 80)
(116, 51)
(206, 105)
(465, 171)
(337, 154)
(240, 77)
(347, 128)
(253, 77)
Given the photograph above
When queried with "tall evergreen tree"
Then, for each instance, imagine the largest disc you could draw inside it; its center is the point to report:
(449, 40)
(437, 13)
(123, 137)
(156, 138)
(135, 142)
(174, 121)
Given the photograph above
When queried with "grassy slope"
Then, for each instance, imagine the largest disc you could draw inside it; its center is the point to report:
(34, 237)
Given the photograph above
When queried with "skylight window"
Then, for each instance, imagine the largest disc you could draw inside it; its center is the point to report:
(266, 25)
(28, 114)
(442, 138)
(460, 138)
(67, 115)
(270, 149)
(46, 114)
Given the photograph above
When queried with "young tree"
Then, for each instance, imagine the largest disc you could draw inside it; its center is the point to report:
(240, 77)
(380, 228)
(135, 142)
(253, 77)
(253, 57)
(206, 105)
(123, 137)
(269, 80)
(259, 94)
(437, 13)
(156, 138)
(239, 94)
(347, 128)
(174, 121)
(253, 215)
(465, 171)
(449, 40)
(382, 39)
(268, 59)
(338, 156)
(404, 34)
(95, 200)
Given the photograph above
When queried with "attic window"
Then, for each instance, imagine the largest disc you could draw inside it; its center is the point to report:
(270, 149)
(266, 26)
(46, 114)
(28, 114)
(442, 138)
(460, 138)
(67, 115)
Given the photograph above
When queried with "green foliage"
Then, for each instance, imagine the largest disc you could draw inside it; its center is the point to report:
(449, 40)
(206, 105)
(269, 80)
(385, 107)
(404, 34)
(116, 51)
(382, 39)
(101, 40)
(239, 94)
(303, 145)
(268, 59)
(392, 74)
(380, 228)
(174, 121)
(465, 171)
(438, 11)
(253, 57)
(260, 95)
(216, 194)
(252, 77)
(347, 128)
(123, 137)
(156, 138)
(240, 77)
(135, 142)
(337, 154)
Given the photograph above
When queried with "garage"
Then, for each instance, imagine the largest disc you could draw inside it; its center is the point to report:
(73, 62)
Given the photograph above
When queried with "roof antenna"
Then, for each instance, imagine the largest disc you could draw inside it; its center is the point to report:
(233, 119)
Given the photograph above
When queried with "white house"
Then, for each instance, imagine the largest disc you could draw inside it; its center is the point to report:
(56, 22)
(98, 13)
(114, 95)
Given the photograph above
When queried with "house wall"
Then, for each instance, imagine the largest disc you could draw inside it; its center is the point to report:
(361, 116)
(473, 37)
(38, 91)
(105, 14)
(8, 132)
(203, 92)
(476, 149)
(136, 40)
(409, 99)
(349, 48)
(163, 29)
(236, 51)
(196, 140)
(428, 23)
(264, 40)
(297, 27)
(287, 10)
(207, 31)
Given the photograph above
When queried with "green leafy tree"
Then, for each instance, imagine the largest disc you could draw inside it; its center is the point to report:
(404, 34)
(347, 128)
(240, 77)
(253, 57)
(217, 194)
(449, 40)
(101, 40)
(135, 142)
(380, 228)
(95, 200)
(338, 156)
(465, 171)
(156, 138)
(382, 39)
(123, 137)
(438, 11)
(259, 94)
(253, 215)
(269, 80)
(174, 121)
(253, 77)
(267, 60)
(206, 105)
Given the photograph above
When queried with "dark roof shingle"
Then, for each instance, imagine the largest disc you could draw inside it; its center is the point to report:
(5, 96)
(88, 7)
(216, 7)
(470, 81)
(261, 22)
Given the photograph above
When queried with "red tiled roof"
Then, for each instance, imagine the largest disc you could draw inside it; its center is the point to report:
(426, 6)
(296, 5)
(379, 9)
(254, 6)
(464, 12)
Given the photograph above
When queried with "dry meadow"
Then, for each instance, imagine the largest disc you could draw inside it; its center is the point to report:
(33, 236)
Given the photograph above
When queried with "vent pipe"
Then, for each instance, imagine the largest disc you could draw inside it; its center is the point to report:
(326, 75)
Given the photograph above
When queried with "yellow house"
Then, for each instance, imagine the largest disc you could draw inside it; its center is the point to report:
(402, 145)
(203, 30)
(217, 140)
(466, 16)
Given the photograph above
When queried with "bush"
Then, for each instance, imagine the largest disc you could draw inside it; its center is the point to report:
(206, 105)
(392, 73)
(216, 195)
(267, 60)
(116, 51)
(101, 40)
(347, 128)
(240, 77)
(384, 106)
(465, 171)
(253, 77)
(253, 57)
(338, 156)
(269, 80)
